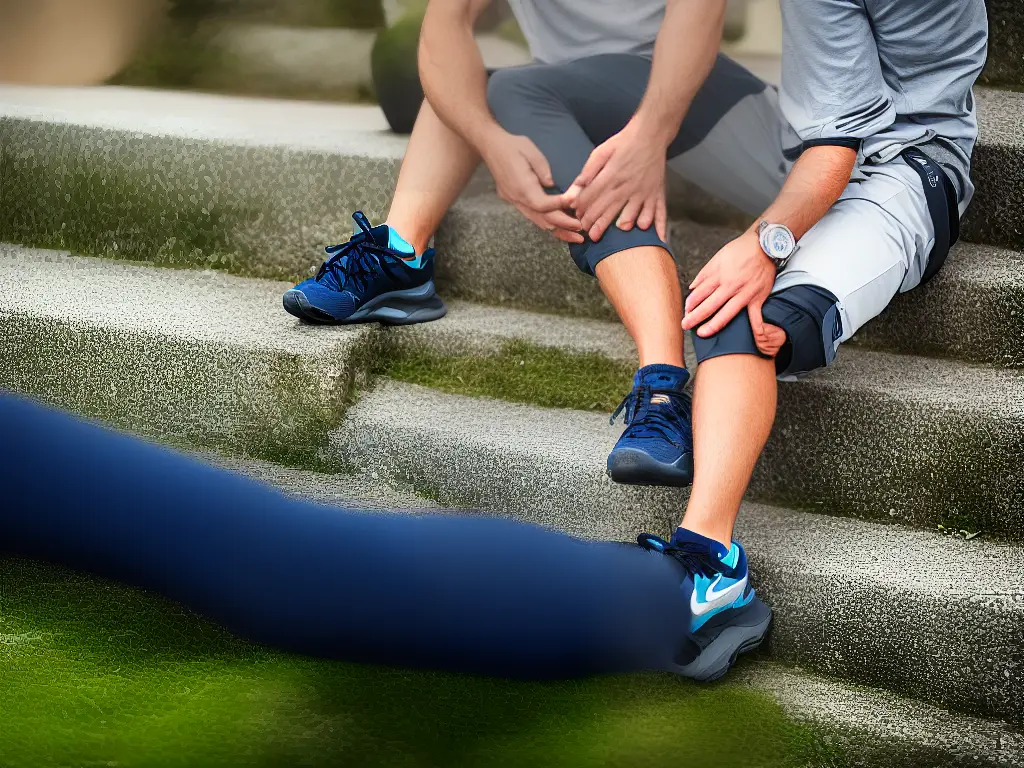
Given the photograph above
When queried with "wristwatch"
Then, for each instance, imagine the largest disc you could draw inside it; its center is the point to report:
(777, 242)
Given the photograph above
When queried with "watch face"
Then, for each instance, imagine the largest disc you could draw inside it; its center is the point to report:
(778, 242)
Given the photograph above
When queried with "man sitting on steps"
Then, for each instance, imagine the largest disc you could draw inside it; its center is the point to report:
(857, 172)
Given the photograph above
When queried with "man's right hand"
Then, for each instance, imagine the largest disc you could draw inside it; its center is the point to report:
(523, 176)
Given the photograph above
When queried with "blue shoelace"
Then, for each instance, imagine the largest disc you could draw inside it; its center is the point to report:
(645, 419)
(356, 261)
(691, 555)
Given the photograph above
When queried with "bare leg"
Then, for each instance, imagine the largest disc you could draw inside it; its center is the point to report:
(437, 166)
(733, 410)
(643, 286)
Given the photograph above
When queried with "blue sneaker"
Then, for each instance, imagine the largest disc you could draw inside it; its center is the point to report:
(375, 277)
(726, 617)
(657, 446)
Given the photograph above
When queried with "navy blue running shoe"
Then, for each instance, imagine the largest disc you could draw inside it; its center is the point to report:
(657, 446)
(375, 277)
(726, 617)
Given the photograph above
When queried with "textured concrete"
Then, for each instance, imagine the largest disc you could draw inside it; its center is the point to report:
(878, 729)
(351, 491)
(1006, 42)
(544, 466)
(196, 358)
(922, 614)
(926, 441)
(474, 328)
(998, 170)
(972, 310)
(248, 186)
(258, 187)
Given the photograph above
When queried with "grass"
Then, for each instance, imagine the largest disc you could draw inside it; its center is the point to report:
(92, 673)
(519, 372)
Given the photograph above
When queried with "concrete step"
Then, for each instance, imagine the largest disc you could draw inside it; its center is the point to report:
(972, 310)
(200, 359)
(877, 436)
(951, 633)
(258, 187)
(875, 728)
(210, 360)
(1006, 46)
(363, 492)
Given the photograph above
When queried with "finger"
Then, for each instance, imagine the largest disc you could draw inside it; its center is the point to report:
(601, 226)
(723, 317)
(539, 164)
(595, 163)
(541, 202)
(705, 309)
(562, 220)
(535, 217)
(604, 184)
(629, 216)
(572, 196)
(573, 238)
(661, 218)
(607, 206)
(756, 320)
(706, 287)
(646, 217)
(775, 337)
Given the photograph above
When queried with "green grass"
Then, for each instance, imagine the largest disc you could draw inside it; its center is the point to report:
(519, 372)
(92, 673)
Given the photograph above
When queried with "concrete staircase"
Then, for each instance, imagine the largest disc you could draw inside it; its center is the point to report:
(902, 642)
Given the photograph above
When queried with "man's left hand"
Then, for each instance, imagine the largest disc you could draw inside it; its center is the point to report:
(738, 277)
(623, 183)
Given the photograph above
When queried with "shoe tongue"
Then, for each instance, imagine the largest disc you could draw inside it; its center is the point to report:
(683, 536)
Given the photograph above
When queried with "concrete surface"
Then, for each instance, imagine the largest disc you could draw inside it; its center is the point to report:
(926, 615)
(1006, 45)
(258, 187)
(196, 358)
(879, 729)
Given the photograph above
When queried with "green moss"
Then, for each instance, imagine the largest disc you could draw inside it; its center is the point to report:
(519, 372)
(97, 674)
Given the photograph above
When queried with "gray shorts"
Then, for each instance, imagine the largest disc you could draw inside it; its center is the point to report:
(735, 144)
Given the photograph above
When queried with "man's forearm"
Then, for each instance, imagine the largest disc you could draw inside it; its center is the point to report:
(452, 70)
(813, 187)
(684, 56)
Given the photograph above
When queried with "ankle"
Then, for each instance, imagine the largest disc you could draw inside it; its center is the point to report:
(709, 529)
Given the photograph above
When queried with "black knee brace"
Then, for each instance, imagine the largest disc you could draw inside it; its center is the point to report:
(810, 317)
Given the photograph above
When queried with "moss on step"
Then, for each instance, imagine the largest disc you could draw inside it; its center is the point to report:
(95, 673)
(519, 372)
(193, 394)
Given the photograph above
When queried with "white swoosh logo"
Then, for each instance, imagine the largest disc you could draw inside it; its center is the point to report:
(715, 599)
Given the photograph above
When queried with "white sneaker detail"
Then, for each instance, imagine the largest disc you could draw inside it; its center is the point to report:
(717, 599)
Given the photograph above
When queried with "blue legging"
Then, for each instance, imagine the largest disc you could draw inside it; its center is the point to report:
(449, 591)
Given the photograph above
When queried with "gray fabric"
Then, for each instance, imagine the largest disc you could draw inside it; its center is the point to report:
(892, 73)
(562, 30)
(567, 109)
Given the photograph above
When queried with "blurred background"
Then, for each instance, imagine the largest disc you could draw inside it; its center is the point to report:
(309, 49)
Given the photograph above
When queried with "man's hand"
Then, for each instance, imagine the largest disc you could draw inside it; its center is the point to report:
(739, 277)
(623, 183)
(522, 174)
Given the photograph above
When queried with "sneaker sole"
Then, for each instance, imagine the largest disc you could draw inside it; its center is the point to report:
(721, 653)
(630, 466)
(408, 307)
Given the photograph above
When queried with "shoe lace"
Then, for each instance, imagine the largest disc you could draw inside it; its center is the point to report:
(357, 261)
(645, 419)
(696, 559)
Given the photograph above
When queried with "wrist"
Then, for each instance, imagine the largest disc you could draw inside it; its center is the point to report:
(484, 138)
(652, 128)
